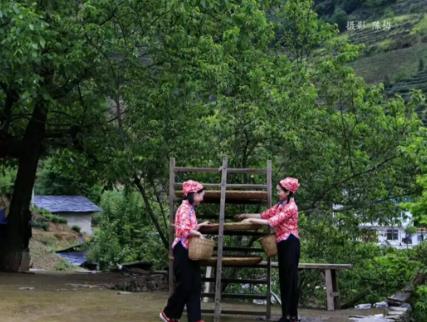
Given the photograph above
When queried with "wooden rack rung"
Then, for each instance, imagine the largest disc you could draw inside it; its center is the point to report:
(218, 170)
(244, 233)
(229, 185)
(247, 170)
(236, 312)
(232, 196)
(237, 296)
(196, 170)
(236, 280)
(243, 249)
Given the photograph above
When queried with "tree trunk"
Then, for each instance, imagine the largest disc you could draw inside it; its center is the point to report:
(150, 212)
(14, 251)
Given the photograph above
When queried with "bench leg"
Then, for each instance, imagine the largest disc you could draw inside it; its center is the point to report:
(331, 290)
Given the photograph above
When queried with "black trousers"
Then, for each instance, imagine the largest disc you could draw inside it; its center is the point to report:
(188, 287)
(289, 254)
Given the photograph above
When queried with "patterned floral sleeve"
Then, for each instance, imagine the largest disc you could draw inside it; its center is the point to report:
(287, 212)
(183, 224)
(267, 214)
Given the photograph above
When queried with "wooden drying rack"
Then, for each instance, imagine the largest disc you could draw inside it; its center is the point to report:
(222, 193)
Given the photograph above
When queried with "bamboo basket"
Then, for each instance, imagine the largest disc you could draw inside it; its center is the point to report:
(269, 244)
(200, 248)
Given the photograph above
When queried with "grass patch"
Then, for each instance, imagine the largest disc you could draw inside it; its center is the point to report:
(420, 27)
(394, 65)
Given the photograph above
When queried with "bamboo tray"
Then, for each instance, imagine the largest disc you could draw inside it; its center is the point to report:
(233, 261)
(232, 196)
(231, 226)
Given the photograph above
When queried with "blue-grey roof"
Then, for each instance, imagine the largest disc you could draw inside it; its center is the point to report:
(55, 204)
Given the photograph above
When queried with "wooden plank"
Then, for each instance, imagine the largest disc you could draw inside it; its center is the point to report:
(236, 312)
(232, 261)
(237, 280)
(171, 221)
(237, 296)
(220, 244)
(214, 186)
(329, 290)
(244, 249)
(233, 196)
(269, 204)
(212, 228)
(244, 233)
(196, 170)
(320, 267)
(247, 170)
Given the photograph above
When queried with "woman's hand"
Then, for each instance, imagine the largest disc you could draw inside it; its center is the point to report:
(245, 216)
(256, 221)
(195, 233)
(202, 224)
(247, 221)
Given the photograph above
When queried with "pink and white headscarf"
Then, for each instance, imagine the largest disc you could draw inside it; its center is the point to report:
(290, 184)
(191, 186)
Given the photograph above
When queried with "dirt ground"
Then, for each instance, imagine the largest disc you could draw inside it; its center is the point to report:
(71, 297)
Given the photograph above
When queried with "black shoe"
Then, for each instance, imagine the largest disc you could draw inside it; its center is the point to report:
(283, 320)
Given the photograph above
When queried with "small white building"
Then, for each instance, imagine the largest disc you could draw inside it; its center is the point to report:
(76, 210)
(397, 236)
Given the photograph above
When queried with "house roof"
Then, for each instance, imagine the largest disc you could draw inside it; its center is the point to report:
(56, 204)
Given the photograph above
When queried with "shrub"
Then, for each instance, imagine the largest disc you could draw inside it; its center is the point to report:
(77, 229)
(420, 306)
(124, 233)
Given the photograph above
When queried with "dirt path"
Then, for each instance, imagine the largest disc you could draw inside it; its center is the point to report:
(72, 297)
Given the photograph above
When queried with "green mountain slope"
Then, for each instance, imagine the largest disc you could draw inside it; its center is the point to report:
(394, 35)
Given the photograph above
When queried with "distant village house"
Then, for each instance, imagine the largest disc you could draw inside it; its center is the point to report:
(76, 210)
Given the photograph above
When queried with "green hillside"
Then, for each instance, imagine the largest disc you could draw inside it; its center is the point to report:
(394, 35)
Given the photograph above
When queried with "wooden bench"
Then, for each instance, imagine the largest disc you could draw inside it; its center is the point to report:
(330, 275)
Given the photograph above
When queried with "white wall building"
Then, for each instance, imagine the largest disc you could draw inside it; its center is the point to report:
(76, 210)
(397, 235)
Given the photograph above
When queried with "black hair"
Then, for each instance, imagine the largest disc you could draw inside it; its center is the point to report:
(190, 196)
(290, 195)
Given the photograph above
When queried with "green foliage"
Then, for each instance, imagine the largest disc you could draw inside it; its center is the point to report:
(7, 177)
(386, 274)
(63, 265)
(68, 172)
(340, 18)
(377, 272)
(421, 65)
(44, 217)
(420, 307)
(40, 223)
(418, 151)
(124, 234)
(377, 3)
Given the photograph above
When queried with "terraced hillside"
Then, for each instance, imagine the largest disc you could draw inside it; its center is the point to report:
(405, 86)
(394, 36)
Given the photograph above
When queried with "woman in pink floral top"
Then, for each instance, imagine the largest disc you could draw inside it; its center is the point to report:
(283, 218)
(187, 272)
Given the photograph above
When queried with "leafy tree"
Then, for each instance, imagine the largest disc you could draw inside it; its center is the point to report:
(52, 64)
